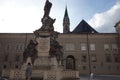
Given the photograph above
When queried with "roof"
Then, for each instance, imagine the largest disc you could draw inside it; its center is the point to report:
(84, 27)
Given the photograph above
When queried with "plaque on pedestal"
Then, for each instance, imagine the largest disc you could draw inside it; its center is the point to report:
(43, 46)
(42, 61)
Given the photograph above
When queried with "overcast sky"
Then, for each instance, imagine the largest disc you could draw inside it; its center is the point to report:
(24, 16)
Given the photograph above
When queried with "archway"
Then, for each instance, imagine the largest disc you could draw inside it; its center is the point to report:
(70, 62)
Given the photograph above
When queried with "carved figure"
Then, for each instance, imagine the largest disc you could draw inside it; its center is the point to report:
(47, 24)
(47, 21)
(30, 51)
(47, 8)
(56, 50)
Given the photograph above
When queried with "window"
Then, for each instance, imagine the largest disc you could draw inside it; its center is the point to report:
(83, 58)
(94, 67)
(84, 67)
(117, 68)
(106, 47)
(7, 48)
(6, 58)
(108, 58)
(114, 47)
(92, 47)
(17, 58)
(70, 47)
(117, 57)
(101, 64)
(109, 67)
(19, 47)
(93, 58)
(4, 66)
(16, 66)
(83, 46)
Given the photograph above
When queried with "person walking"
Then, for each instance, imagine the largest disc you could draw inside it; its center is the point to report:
(28, 71)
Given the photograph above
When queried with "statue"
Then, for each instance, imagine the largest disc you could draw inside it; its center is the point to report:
(47, 8)
(59, 55)
(47, 24)
(47, 21)
(56, 50)
(30, 51)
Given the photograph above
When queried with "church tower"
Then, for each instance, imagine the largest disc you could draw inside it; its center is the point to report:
(66, 22)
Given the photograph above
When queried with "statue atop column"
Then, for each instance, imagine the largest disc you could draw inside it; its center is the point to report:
(47, 8)
(55, 49)
(47, 21)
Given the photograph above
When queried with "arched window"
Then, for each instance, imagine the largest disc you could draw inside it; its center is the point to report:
(4, 66)
(16, 66)
(70, 62)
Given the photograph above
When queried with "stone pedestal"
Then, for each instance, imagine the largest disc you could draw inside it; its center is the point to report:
(53, 63)
(43, 46)
(42, 61)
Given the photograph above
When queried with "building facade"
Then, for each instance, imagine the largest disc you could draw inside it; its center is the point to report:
(85, 49)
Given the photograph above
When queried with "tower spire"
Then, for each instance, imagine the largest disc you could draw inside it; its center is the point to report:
(66, 13)
(66, 22)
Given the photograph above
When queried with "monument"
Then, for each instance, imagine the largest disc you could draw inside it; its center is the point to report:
(44, 54)
(48, 48)
(45, 49)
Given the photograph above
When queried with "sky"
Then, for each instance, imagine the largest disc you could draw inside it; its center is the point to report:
(24, 16)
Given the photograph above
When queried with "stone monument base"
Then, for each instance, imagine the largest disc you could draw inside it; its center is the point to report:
(45, 63)
(42, 61)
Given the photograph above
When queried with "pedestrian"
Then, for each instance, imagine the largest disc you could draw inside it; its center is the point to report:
(28, 71)
(91, 76)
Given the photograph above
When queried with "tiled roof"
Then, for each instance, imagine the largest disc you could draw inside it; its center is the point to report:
(84, 27)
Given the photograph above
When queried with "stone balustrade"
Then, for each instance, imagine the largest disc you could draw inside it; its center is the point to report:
(43, 74)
